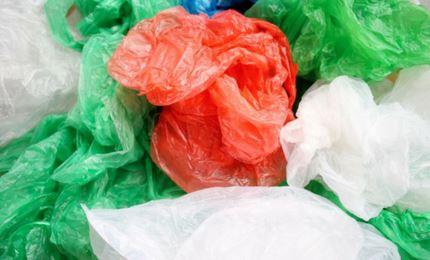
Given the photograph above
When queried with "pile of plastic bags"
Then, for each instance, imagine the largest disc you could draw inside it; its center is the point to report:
(179, 96)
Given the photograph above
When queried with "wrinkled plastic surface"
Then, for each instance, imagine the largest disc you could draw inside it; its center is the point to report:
(109, 16)
(117, 16)
(97, 155)
(236, 223)
(227, 85)
(371, 155)
(37, 76)
(361, 38)
(409, 230)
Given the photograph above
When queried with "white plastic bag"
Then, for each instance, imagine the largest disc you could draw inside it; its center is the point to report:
(371, 155)
(235, 223)
(37, 75)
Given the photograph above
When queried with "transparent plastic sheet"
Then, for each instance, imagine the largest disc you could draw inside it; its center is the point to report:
(236, 223)
(117, 16)
(365, 146)
(227, 86)
(98, 155)
(362, 38)
(38, 76)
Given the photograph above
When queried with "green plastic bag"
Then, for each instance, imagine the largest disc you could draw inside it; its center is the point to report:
(409, 231)
(97, 155)
(362, 38)
(111, 16)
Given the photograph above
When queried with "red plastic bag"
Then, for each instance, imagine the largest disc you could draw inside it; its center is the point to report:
(227, 85)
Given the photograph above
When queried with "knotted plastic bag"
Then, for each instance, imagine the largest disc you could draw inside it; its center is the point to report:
(37, 76)
(98, 155)
(236, 223)
(361, 38)
(371, 155)
(227, 86)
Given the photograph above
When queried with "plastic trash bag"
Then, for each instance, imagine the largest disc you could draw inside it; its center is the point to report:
(117, 16)
(97, 155)
(371, 155)
(409, 230)
(37, 76)
(361, 38)
(227, 85)
(236, 223)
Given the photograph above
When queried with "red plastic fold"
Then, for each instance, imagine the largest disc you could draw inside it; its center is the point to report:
(227, 85)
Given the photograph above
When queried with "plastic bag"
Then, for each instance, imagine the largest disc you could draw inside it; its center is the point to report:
(361, 38)
(372, 156)
(37, 76)
(236, 223)
(409, 230)
(117, 16)
(227, 85)
(98, 155)
(210, 7)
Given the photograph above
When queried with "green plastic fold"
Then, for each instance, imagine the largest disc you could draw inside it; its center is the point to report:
(97, 155)
(109, 16)
(362, 38)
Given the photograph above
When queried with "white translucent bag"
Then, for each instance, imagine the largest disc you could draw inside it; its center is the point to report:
(235, 223)
(37, 75)
(371, 155)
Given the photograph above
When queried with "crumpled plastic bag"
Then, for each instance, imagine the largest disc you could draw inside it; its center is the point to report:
(97, 155)
(236, 223)
(409, 230)
(37, 76)
(227, 86)
(371, 155)
(117, 16)
(362, 38)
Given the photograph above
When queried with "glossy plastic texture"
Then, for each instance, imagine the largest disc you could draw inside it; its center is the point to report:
(117, 16)
(361, 38)
(97, 155)
(236, 223)
(227, 85)
(371, 155)
(37, 75)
